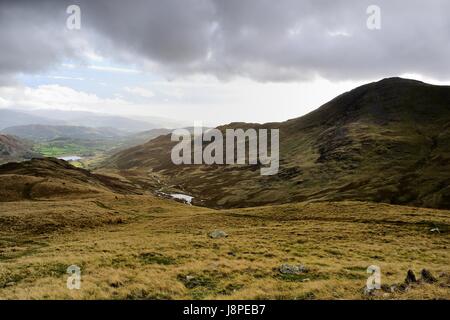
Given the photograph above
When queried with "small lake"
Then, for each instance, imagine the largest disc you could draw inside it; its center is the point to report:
(70, 158)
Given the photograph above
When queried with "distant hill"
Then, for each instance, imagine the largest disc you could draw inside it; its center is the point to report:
(387, 141)
(52, 178)
(145, 136)
(99, 120)
(11, 118)
(15, 149)
(40, 132)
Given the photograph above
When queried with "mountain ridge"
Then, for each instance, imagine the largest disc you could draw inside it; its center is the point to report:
(386, 141)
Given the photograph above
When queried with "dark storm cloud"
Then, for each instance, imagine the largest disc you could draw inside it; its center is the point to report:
(30, 38)
(261, 39)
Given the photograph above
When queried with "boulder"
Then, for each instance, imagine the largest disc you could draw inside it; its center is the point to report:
(293, 269)
(410, 277)
(427, 276)
(216, 234)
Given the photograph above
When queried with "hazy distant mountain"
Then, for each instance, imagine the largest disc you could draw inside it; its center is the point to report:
(15, 149)
(98, 120)
(145, 136)
(10, 118)
(387, 141)
(45, 132)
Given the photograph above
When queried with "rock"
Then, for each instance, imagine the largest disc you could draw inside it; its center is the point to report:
(189, 278)
(216, 234)
(386, 288)
(293, 269)
(427, 276)
(367, 291)
(435, 230)
(10, 284)
(393, 288)
(372, 292)
(410, 277)
(403, 287)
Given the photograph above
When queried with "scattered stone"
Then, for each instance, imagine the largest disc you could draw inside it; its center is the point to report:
(216, 234)
(372, 292)
(293, 269)
(386, 288)
(189, 278)
(435, 230)
(427, 276)
(403, 287)
(367, 291)
(410, 277)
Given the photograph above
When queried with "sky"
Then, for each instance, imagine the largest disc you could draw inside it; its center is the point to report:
(213, 61)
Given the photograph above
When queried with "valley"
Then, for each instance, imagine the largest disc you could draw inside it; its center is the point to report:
(131, 244)
(387, 141)
(358, 186)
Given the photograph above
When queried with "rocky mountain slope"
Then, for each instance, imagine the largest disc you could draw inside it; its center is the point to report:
(15, 149)
(387, 141)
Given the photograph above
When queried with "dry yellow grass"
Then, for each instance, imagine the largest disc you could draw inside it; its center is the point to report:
(142, 247)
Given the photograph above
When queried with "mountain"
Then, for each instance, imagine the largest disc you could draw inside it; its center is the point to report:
(40, 132)
(133, 124)
(387, 141)
(98, 120)
(10, 118)
(15, 149)
(52, 178)
(145, 136)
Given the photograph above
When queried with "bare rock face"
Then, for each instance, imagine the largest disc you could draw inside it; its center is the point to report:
(427, 276)
(216, 234)
(410, 277)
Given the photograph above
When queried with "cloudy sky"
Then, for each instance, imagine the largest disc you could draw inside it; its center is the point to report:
(214, 61)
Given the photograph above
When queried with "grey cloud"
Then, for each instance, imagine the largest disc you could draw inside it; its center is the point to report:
(264, 40)
(31, 38)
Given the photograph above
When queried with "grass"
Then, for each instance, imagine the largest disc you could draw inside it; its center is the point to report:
(161, 249)
(49, 149)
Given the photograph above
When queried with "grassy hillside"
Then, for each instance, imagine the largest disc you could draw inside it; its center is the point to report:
(132, 246)
(387, 141)
(142, 247)
(15, 149)
(50, 178)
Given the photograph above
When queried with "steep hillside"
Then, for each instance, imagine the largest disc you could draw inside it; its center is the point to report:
(145, 136)
(49, 178)
(14, 149)
(387, 141)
